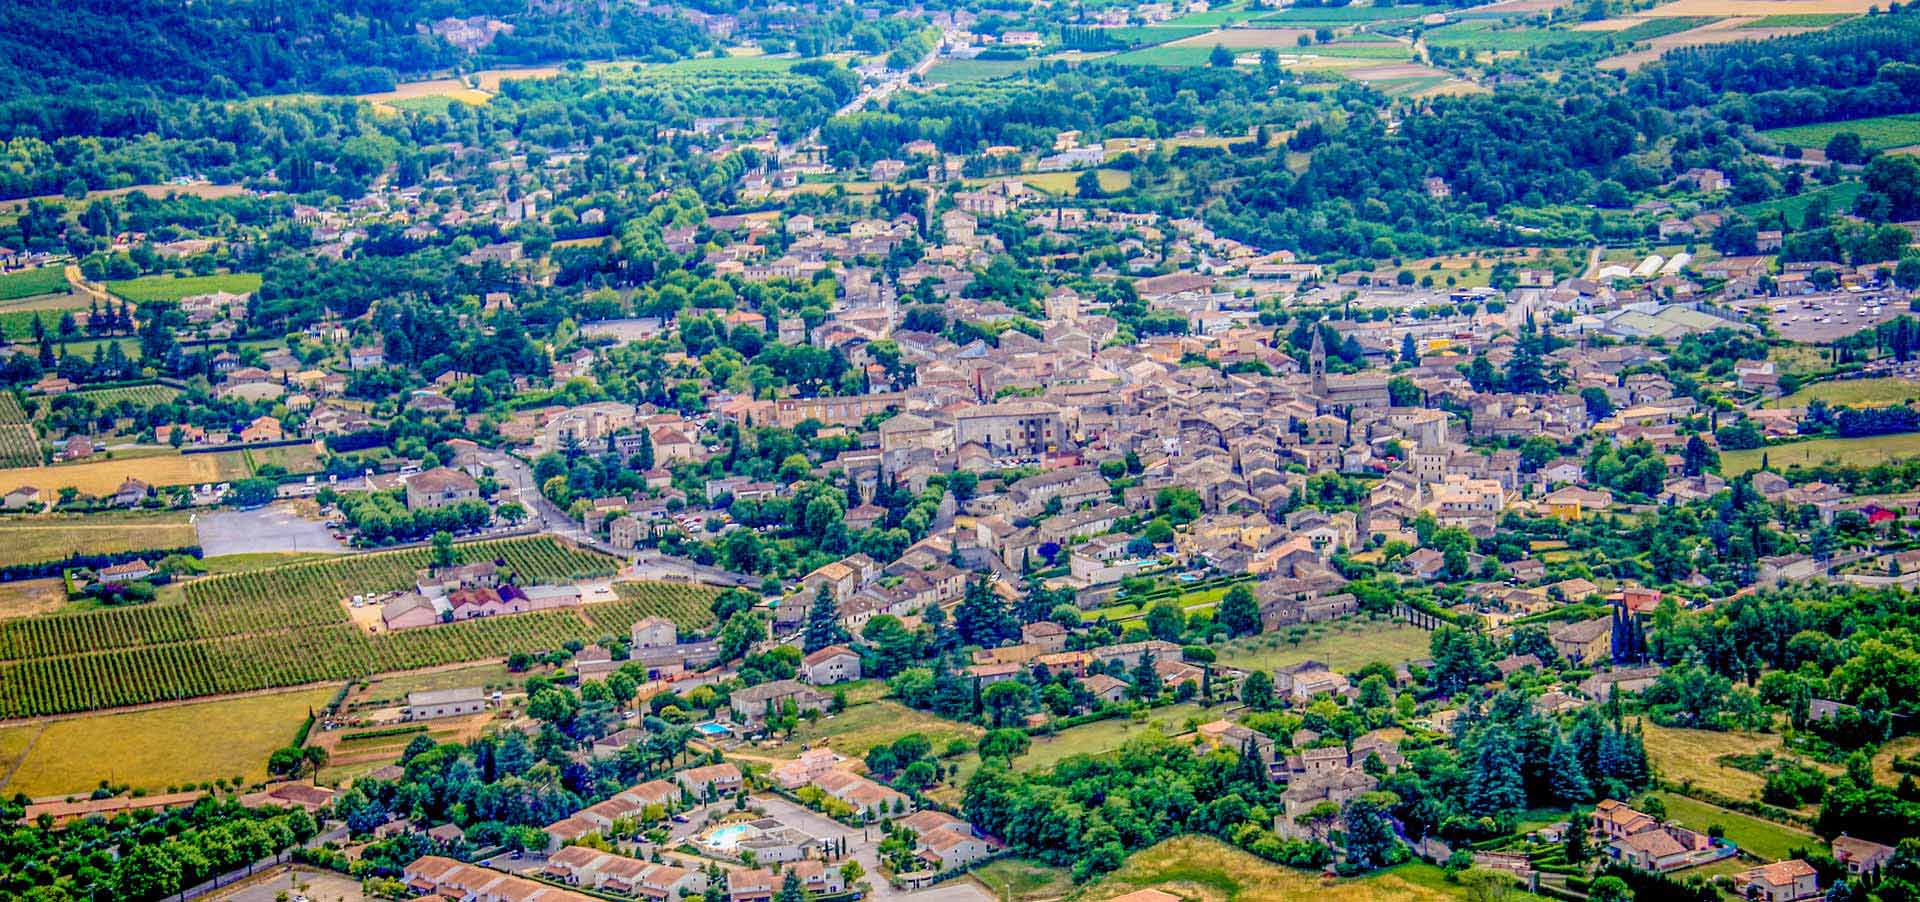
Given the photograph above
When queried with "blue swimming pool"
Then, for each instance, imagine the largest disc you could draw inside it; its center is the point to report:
(727, 838)
(711, 729)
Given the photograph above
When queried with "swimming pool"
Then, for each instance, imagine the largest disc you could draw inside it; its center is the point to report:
(727, 838)
(711, 729)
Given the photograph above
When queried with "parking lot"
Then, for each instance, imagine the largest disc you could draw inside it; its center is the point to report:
(275, 527)
(1825, 317)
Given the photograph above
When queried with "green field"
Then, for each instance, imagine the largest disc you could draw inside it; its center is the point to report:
(31, 282)
(1799, 20)
(963, 71)
(1838, 199)
(141, 395)
(1020, 880)
(1106, 735)
(1857, 452)
(1880, 392)
(155, 748)
(1144, 35)
(1169, 56)
(173, 288)
(1338, 15)
(861, 727)
(1766, 839)
(433, 104)
(1877, 133)
(1342, 645)
(1658, 28)
(285, 626)
(1482, 36)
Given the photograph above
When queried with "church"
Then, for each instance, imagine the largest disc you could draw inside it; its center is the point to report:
(1339, 393)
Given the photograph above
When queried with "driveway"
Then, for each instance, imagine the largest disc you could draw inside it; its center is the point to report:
(272, 528)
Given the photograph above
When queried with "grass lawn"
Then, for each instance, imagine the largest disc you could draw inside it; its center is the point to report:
(1019, 880)
(32, 540)
(1877, 132)
(1063, 182)
(173, 288)
(1766, 839)
(1207, 870)
(1343, 645)
(861, 727)
(32, 282)
(1106, 735)
(160, 747)
(1880, 392)
(1859, 452)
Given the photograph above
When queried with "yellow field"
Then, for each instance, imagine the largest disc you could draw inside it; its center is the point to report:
(155, 748)
(1199, 869)
(1725, 31)
(1342, 644)
(1883, 392)
(861, 727)
(1858, 452)
(102, 477)
(29, 597)
(32, 540)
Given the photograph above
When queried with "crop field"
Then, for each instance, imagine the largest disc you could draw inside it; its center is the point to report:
(155, 748)
(1147, 35)
(1799, 20)
(1858, 452)
(1883, 392)
(1725, 27)
(19, 444)
(1763, 8)
(1877, 133)
(688, 606)
(1837, 198)
(1485, 36)
(17, 325)
(271, 628)
(100, 477)
(29, 541)
(1202, 869)
(1337, 15)
(140, 395)
(173, 288)
(966, 71)
(33, 282)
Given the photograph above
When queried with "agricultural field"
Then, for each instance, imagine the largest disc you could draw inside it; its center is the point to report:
(141, 395)
(1880, 392)
(1064, 182)
(1202, 869)
(1694, 755)
(32, 540)
(1762, 8)
(1146, 35)
(1316, 16)
(968, 71)
(688, 606)
(19, 444)
(1727, 26)
(102, 476)
(1836, 198)
(32, 597)
(173, 288)
(1486, 36)
(1877, 132)
(1105, 735)
(1341, 644)
(156, 748)
(1859, 452)
(272, 628)
(1799, 20)
(33, 282)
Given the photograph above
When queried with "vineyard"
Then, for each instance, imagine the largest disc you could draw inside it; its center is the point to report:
(688, 606)
(142, 396)
(19, 444)
(286, 626)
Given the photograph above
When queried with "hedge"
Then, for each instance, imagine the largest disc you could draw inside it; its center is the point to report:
(45, 569)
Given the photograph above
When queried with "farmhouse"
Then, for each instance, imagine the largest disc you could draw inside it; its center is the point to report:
(445, 703)
(439, 487)
(833, 664)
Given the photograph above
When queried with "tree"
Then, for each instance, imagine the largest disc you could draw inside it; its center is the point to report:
(1239, 612)
(1409, 353)
(1220, 57)
(1087, 185)
(1846, 147)
(1166, 620)
(1370, 838)
(1007, 701)
(983, 617)
(823, 621)
(643, 451)
(1257, 691)
(443, 555)
(791, 890)
(1576, 844)
(1609, 889)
